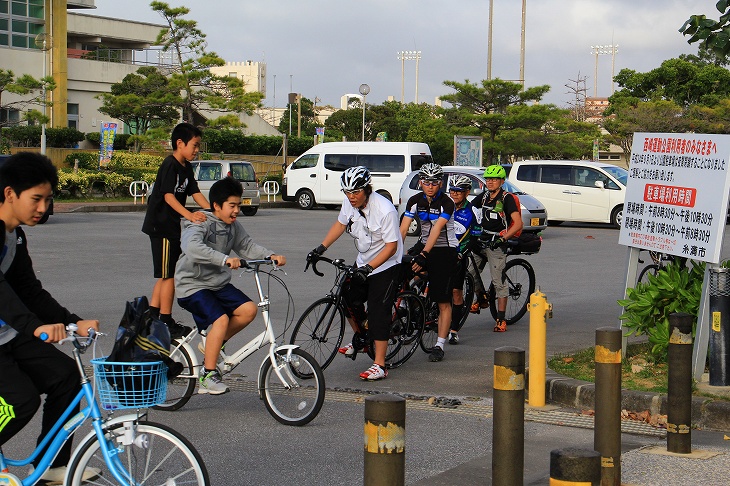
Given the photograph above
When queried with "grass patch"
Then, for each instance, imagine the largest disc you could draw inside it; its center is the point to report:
(639, 370)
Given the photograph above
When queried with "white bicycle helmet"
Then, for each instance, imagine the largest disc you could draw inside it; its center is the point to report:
(355, 178)
(431, 172)
(460, 182)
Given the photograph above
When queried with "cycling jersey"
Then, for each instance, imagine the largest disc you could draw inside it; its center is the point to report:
(465, 225)
(441, 206)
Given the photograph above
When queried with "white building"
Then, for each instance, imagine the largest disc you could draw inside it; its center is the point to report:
(86, 54)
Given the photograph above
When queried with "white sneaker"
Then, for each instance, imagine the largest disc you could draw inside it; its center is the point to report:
(211, 384)
(348, 350)
(375, 372)
(56, 475)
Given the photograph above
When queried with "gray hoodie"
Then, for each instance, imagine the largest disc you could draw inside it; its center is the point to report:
(205, 247)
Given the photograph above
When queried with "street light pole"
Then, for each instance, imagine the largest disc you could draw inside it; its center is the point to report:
(364, 90)
(404, 56)
(43, 126)
(418, 58)
(599, 50)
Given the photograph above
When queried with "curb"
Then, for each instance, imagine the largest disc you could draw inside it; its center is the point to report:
(60, 208)
(707, 413)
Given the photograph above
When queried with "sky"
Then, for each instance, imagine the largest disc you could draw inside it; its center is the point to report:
(327, 48)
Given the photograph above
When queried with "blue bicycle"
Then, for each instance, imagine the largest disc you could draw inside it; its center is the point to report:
(125, 450)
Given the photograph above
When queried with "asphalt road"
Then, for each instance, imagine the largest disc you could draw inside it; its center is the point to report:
(94, 262)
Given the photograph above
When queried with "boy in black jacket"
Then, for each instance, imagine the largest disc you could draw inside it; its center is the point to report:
(30, 367)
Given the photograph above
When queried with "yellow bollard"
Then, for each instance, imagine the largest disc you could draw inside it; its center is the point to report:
(540, 309)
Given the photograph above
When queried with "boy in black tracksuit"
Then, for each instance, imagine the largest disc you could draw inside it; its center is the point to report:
(30, 367)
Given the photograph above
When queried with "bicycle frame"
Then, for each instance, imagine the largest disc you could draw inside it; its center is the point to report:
(64, 428)
(265, 337)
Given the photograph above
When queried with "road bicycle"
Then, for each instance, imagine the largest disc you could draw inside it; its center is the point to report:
(518, 274)
(124, 450)
(659, 261)
(322, 326)
(290, 381)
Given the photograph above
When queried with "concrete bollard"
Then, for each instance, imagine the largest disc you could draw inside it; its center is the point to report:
(607, 430)
(575, 467)
(385, 441)
(679, 392)
(508, 430)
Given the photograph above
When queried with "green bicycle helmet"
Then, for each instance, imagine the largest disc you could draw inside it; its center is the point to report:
(495, 172)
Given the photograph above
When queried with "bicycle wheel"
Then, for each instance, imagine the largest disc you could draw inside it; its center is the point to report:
(520, 278)
(405, 329)
(468, 289)
(430, 333)
(319, 331)
(301, 401)
(646, 271)
(182, 387)
(157, 455)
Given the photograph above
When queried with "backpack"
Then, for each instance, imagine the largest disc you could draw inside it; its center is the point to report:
(506, 217)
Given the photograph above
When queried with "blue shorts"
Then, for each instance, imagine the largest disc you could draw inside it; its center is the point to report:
(207, 306)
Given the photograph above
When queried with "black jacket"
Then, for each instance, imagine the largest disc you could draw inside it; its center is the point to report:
(24, 304)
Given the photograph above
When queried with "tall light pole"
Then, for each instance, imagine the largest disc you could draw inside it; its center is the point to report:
(364, 90)
(43, 42)
(600, 50)
(404, 56)
(522, 46)
(489, 41)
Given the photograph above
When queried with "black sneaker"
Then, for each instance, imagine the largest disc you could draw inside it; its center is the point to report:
(178, 330)
(437, 354)
(453, 338)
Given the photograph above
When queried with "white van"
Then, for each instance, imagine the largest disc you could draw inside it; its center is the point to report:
(574, 190)
(314, 177)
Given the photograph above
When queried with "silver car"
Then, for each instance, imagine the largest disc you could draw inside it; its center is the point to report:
(208, 171)
(534, 214)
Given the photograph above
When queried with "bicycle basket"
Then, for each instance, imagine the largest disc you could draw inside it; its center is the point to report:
(122, 385)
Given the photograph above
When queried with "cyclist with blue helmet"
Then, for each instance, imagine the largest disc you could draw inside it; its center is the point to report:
(500, 220)
(436, 248)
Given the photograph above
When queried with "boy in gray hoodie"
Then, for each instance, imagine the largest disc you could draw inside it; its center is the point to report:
(203, 276)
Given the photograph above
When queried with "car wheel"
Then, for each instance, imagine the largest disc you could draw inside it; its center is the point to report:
(617, 216)
(386, 195)
(305, 199)
(249, 211)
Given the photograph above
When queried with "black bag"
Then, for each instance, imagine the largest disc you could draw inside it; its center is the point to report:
(142, 338)
(526, 243)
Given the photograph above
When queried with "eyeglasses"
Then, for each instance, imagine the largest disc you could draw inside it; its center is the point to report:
(353, 192)
(456, 189)
(493, 179)
(430, 183)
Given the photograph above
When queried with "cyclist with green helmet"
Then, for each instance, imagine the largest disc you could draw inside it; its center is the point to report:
(500, 221)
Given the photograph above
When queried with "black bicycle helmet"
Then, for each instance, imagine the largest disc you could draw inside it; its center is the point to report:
(355, 178)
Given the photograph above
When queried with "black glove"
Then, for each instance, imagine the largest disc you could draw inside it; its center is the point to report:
(361, 274)
(313, 255)
(420, 259)
(415, 249)
(497, 243)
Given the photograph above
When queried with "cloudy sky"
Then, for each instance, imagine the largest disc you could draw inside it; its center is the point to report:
(326, 48)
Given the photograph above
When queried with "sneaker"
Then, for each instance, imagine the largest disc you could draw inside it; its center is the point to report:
(350, 351)
(56, 475)
(374, 373)
(437, 354)
(453, 338)
(475, 308)
(177, 330)
(212, 383)
(500, 326)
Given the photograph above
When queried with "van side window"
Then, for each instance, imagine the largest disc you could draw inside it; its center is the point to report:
(243, 172)
(556, 174)
(418, 160)
(339, 162)
(382, 163)
(528, 173)
(587, 177)
(305, 162)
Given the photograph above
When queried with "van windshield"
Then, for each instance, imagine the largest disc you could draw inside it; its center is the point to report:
(618, 172)
(418, 160)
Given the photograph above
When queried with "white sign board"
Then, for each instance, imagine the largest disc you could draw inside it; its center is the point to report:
(677, 194)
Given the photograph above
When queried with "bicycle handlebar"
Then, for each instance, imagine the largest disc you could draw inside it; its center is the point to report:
(337, 263)
(74, 338)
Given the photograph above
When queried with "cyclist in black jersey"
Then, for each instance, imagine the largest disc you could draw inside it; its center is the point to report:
(437, 247)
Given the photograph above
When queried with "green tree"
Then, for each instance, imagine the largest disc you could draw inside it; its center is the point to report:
(713, 35)
(484, 107)
(348, 123)
(140, 99)
(29, 92)
(200, 88)
(309, 119)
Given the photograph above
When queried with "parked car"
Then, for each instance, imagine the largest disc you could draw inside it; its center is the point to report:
(574, 190)
(534, 215)
(208, 171)
(49, 211)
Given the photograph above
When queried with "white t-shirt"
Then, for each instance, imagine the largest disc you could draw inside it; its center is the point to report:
(372, 227)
